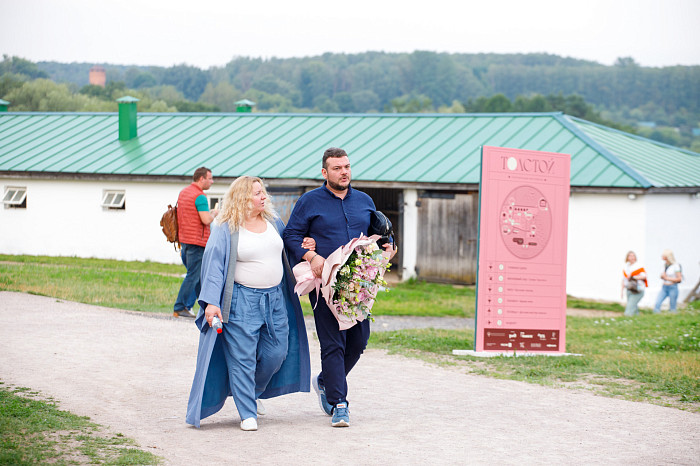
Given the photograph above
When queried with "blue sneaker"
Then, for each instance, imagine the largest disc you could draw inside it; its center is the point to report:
(341, 415)
(321, 392)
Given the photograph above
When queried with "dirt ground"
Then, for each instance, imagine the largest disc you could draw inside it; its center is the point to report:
(132, 373)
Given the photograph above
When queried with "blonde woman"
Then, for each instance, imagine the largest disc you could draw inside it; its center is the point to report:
(248, 285)
(634, 281)
(671, 276)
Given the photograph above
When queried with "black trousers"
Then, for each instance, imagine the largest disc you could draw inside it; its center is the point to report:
(340, 349)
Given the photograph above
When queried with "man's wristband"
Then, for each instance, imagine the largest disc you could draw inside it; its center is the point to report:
(314, 257)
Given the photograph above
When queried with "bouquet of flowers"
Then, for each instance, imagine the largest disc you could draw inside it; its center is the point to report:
(358, 281)
(352, 277)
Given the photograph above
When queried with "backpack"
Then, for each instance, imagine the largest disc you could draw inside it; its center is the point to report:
(169, 224)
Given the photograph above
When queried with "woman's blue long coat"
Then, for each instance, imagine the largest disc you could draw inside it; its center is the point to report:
(211, 387)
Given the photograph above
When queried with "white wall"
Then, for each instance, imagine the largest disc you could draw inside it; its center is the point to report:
(603, 227)
(673, 222)
(65, 218)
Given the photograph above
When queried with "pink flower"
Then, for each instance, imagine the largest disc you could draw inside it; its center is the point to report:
(363, 295)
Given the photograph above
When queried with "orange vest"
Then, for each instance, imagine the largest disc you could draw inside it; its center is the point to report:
(191, 230)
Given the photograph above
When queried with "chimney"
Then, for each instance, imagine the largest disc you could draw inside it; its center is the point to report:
(244, 106)
(97, 76)
(3, 105)
(127, 117)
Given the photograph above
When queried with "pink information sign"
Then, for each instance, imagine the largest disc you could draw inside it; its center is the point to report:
(521, 278)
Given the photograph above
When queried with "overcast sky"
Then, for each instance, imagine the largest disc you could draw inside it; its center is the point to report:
(209, 33)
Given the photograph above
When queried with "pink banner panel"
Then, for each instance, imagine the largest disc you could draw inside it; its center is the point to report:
(521, 279)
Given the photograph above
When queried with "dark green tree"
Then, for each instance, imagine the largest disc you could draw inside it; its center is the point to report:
(189, 80)
(17, 65)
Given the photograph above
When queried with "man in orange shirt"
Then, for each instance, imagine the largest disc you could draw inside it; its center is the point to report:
(193, 218)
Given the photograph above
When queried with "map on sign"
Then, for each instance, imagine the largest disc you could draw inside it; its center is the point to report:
(526, 222)
(521, 278)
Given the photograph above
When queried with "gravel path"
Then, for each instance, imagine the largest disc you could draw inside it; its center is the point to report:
(132, 373)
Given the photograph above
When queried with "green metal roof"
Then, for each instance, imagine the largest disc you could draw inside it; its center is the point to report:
(422, 148)
(657, 163)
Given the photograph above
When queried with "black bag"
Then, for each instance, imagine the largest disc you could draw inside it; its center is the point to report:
(634, 285)
(380, 225)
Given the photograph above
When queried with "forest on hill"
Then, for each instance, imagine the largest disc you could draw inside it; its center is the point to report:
(660, 103)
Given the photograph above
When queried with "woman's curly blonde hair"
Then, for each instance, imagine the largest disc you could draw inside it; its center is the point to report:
(238, 203)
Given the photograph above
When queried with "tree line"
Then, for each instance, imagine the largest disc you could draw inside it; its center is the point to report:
(663, 103)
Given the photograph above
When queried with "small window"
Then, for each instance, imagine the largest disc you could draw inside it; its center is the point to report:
(114, 200)
(15, 197)
(215, 201)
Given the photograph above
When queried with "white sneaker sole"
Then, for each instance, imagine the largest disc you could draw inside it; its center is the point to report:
(341, 423)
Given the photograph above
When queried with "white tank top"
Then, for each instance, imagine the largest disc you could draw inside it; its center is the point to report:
(259, 260)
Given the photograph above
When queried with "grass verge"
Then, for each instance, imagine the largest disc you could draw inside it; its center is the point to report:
(35, 431)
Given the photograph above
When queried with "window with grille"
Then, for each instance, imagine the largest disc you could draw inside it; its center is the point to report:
(114, 199)
(15, 197)
(215, 201)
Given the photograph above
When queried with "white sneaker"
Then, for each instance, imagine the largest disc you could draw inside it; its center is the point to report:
(261, 409)
(249, 424)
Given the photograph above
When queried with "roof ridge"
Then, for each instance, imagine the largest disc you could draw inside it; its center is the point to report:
(564, 120)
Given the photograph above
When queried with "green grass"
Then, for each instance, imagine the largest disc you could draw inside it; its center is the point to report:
(35, 431)
(418, 298)
(577, 303)
(139, 286)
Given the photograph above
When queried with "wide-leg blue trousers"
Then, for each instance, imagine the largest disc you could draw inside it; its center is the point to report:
(255, 343)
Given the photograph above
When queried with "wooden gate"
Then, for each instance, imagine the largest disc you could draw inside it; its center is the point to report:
(447, 233)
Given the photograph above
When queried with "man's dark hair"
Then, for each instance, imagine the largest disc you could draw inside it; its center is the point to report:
(332, 152)
(200, 172)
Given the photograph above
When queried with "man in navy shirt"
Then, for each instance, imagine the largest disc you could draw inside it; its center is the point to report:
(332, 215)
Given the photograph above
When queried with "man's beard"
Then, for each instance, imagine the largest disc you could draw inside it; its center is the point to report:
(338, 187)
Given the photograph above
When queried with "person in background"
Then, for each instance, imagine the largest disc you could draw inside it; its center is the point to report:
(671, 276)
(634, 281)
(248, 285)
(193, 219)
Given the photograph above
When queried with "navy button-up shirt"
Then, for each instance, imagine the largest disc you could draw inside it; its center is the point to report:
(328, 219)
